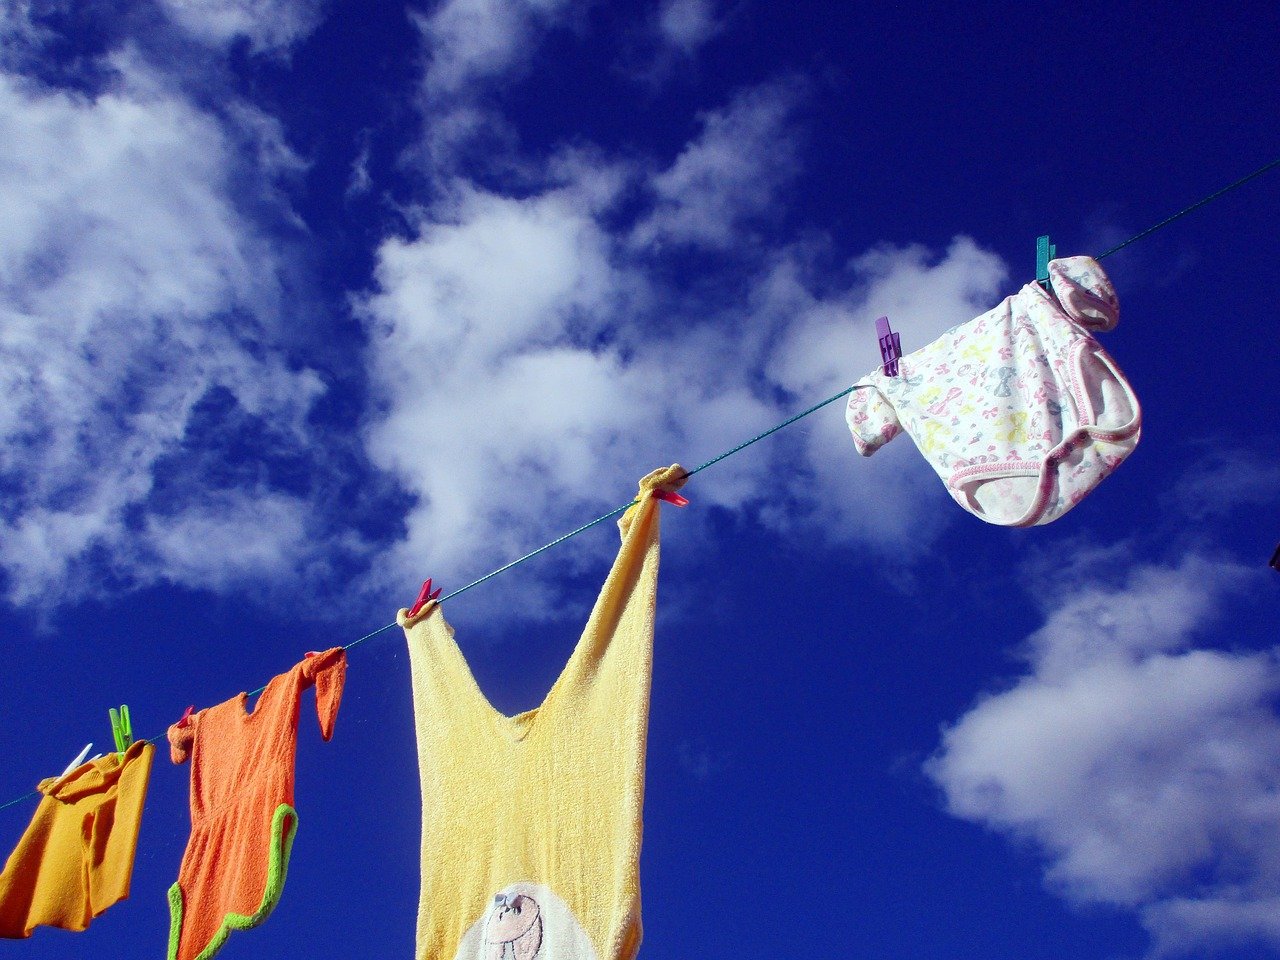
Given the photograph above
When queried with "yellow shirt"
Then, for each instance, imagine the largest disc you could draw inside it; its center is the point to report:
(76, 857)
(531, 824)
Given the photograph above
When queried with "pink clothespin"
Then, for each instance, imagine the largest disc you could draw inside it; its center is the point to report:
(890, 347)
(670, 496)
(424, 597)
(185, 719)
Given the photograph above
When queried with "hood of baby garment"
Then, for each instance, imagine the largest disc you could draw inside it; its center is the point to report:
(92, 777)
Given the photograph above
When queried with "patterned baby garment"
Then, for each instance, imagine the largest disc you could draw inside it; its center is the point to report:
(1020, 411)
(531, 824)
(76, 857)
(242, 816)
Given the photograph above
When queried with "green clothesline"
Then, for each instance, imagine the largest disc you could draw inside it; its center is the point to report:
(742, 446)
(614, 512)
(1195, 206)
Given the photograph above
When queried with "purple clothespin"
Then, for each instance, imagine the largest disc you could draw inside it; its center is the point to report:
(1275, 559)
(890, 347)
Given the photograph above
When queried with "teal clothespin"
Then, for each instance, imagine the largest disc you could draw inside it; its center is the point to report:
(121, 728)
(1045, 251)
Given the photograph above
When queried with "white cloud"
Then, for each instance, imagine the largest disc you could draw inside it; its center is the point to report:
(686, 25)
(360, 181)
(265, 138)
(469, 47)
(1186, 926)
(270, 26)
(531, 359)
(131, 290)
(729, 175)
(1145, 769)
(1220, 480)
(264, 531)
(828, 340)
(18, 27)
(531, 367)
(470, 41)
(495, 407)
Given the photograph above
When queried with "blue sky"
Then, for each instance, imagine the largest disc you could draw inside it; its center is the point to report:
(302, 302)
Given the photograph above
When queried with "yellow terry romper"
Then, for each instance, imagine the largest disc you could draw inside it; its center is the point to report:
(531, 824)
(76, 857)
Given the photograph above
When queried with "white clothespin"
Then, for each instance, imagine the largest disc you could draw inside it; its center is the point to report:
(78, 760)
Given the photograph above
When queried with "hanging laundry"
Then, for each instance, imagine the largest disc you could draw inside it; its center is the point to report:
(531, 823)
(242, 815)
(76, 858)
(1020, 411)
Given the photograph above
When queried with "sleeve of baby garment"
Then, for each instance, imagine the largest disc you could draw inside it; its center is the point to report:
(1085, 292)
(328, 671)
(181, 740)
(871, 418)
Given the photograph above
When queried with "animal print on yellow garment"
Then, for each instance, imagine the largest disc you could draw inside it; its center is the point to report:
(526, 921)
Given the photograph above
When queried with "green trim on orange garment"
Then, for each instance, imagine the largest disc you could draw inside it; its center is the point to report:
(281, 845)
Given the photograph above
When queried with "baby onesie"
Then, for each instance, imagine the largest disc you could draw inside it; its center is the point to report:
(531, 824)
(76, 857)
(1020, 411)
(242, 816)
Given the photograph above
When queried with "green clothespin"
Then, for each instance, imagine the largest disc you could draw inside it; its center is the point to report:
(1045, 251)
(121, 728)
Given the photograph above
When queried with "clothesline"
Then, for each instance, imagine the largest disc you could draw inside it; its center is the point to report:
(617, 510)
(742, 446)
(1195, 206)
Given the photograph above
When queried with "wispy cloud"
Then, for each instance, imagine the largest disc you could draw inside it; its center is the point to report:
(687, 25)
(700, 761)
(670, 38)
(528, 354)
(19, 28)
(469, 42)
(1145, 768)
(532, 358)
(470, 47)
(144, 323)
(132, 290)
(730, 174)
(516, 400)
(1222, 480)
(360, 181)
(268, 26)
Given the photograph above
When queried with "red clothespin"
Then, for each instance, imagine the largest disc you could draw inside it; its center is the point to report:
(890, 347)
(424, 597)
(670, 496)
(185, 719)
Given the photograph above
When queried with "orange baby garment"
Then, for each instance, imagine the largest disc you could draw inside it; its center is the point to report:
(242, 815)
(76, 858)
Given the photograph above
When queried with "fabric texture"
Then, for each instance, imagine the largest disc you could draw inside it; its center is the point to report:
(242, 815)
(76, 857)
(531, 823)
(1020, 411)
